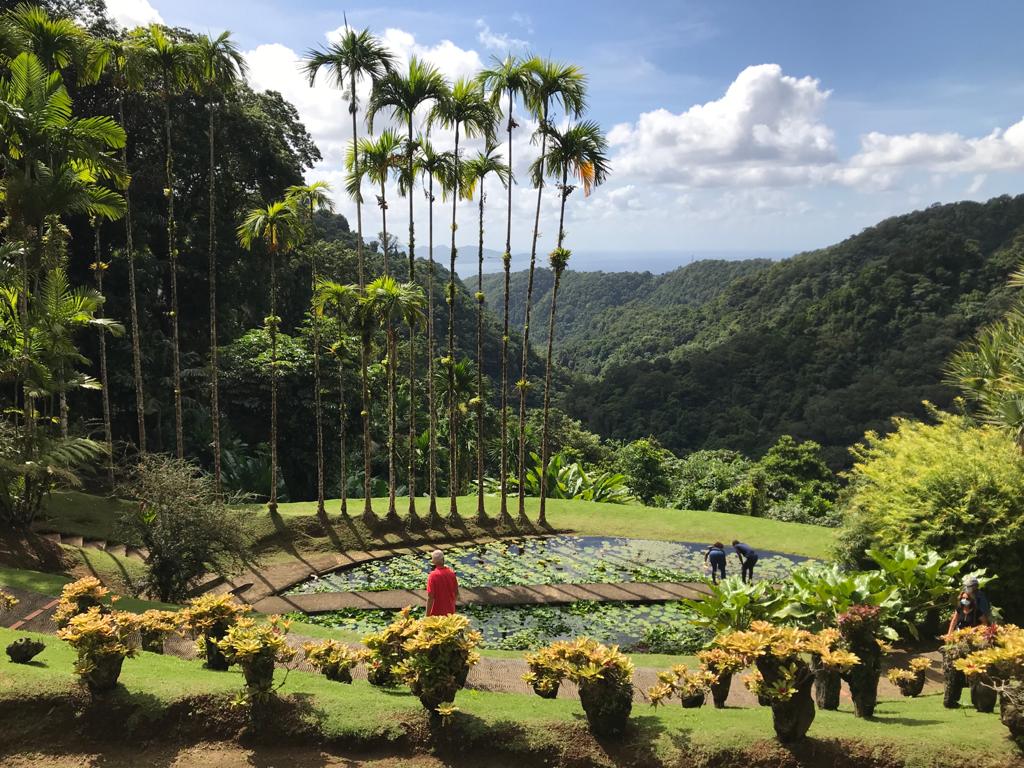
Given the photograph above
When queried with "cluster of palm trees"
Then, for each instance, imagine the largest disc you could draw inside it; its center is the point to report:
(470, 108)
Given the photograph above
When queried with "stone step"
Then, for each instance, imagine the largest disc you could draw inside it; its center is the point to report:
(140, 553)
(97, 544)
(71, 541)
(117, 550)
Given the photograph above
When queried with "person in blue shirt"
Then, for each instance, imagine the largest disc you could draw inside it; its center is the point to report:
(715, 554)
(983, 606)
(748, 559)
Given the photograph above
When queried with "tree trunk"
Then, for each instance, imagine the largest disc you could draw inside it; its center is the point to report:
(104, 378)
(179, 431)
(140, 399)
(392, 515)
(453, 438)
(364, 353)
(481, 512)
(272, 504)
(342, 454)
(524, 380)
(411, 473)
(317, 403)
(433, 518)
(503, 516)
(214, 374)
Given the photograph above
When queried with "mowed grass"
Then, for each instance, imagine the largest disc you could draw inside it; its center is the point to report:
(920, 731)
(96, 517)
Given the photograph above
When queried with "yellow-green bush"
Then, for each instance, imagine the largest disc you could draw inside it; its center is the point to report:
(333, 659)
(103, 641)
(78, 597)
(256, 646)
(208, 618)
(439, 650)
(386, 649)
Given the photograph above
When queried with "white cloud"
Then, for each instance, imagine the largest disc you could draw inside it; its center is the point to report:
(765, 130)
(496, 40)
(133, 13)
(976, 184)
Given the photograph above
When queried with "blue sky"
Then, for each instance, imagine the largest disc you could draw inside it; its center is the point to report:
(741, 126)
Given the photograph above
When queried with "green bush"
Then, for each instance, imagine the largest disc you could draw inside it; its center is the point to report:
(645, 466)
(703, 475)
(950, 486)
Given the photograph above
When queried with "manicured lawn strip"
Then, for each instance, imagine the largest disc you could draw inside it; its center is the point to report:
(921, 730)
(35, 581)
(94, 516)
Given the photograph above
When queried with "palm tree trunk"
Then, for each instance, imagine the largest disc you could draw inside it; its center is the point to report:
(342, 453)
(364, 354)
(392, 515)
(453, 438)
(384, 227)
(433, 518)
(179, 431)
(272, 504)
(481, 513)
(104, 378)
(504, 517)
(524, 380)
(140, 400)
(317, 404)
(411, 474)
(214, 374)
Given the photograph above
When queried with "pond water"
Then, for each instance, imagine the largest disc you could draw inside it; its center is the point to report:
(560, 559)
(650, 627)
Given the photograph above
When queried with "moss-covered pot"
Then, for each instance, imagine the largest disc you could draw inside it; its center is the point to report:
(863, 678)
(215, 658)
(911, 688)
(720, 691)
(983, 696)
(1011, 714)
(338, 674)
(607, 706)
(792, 719)
(953, 680)
(828, 684)
(694, 701)
(152, 641)
(380, 676)
(24, 649)
(546, 692)
(259, 673)
(103, 675)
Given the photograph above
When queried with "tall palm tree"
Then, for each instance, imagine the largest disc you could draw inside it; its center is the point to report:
(375, 159)
(99, 267)
(308, 200)
(510, 77)
(389, 302)
(403, 94)
(278, 228)
(477, 169)
(464, 109)
(341, 300)
(554, 83)
(580, 152)
(173, 65)
(57, 42)
(440, 167)
(121, 57)
(220, 67)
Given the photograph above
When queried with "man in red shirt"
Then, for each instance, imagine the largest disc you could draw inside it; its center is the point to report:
(442, 587)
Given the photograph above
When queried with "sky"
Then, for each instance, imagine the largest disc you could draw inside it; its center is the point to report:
(741, 127)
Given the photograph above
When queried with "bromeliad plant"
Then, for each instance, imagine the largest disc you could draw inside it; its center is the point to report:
(690, 685)
(439, 651)
(385, 650)
(155, 626)
(7, 602)
(333, 659)
(861, 630)
(208, 618)
(80, 596)
(1000, 668)
(548, 668)
(604, 677)
(256, 647)
(103, 641)
(722, 666)
(910, 680)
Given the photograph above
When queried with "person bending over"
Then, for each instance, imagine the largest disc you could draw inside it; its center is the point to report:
(442, 587)
(748, 559)
(715, 554)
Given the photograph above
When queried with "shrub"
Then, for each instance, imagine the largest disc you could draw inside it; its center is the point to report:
(186, 525)
(690, 685)
(386, 649)
(7, 602)
(208, 618)
(103, 641)
(733, 604)
(1000, 668)
(783, 678)
(155, 626)
(334, 660)
(439, 651)
(256, 647)
(80, 596)
(702, 475)
(860, 627)
(548, 667)
(948, 486)
(644, 464)
(605, 681)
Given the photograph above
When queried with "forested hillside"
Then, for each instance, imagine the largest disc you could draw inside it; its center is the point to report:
(824, 345)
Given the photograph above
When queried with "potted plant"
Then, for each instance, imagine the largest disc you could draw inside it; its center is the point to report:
(78, 597)
(386, 649)
(7, 601)
(860, 627)
(1000, 668)
(257, 647)
(959, 645)
(334, 660)
(154, 627)
(910, 680)
(547, 669)
(690, 685)
(722, 666)
(439, 651)
(604, 677)
(103, 641)
(208, 618)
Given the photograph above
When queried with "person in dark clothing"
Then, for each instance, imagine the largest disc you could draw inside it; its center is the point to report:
(973, 588)
(748, 559)
(715, 554)
(966, 613)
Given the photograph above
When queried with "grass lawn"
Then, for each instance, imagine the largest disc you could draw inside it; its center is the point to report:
(919, 731)
(297, 530)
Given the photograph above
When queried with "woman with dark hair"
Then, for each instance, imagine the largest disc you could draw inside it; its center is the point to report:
(715, 554)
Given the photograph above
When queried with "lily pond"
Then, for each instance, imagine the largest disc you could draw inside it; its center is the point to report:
(563, 559)
(560, 559)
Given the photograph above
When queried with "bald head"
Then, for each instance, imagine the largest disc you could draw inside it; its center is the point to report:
(437, 558)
